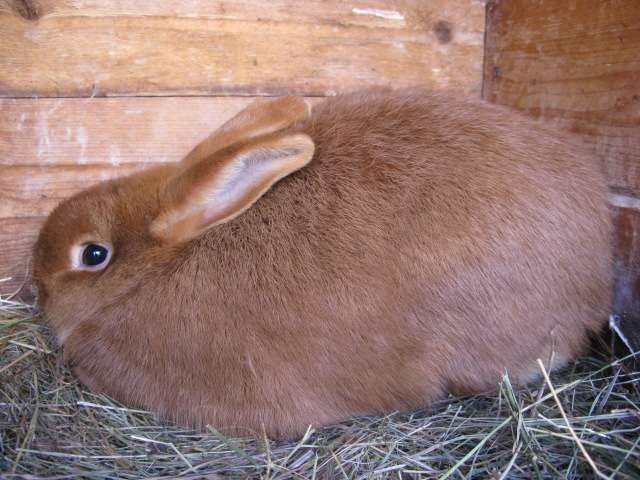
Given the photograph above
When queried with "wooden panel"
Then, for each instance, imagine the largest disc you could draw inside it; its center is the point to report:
(468, 16)
(109, 131)
(35, 191)
(577, 63)
(111, 48)
(626, 300)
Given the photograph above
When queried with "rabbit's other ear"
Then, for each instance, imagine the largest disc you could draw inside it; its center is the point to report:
(221, 187)
(262, 117)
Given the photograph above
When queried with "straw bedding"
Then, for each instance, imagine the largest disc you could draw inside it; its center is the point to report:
(582, 423)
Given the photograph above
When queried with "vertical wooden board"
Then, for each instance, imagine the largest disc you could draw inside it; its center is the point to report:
(90, 52)
(577, 64)
(626, 299)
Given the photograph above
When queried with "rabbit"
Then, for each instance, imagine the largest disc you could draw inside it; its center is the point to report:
(303, 265)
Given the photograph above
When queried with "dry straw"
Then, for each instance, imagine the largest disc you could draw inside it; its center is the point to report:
(581, 423)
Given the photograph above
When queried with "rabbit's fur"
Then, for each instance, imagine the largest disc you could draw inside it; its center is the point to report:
(426, 246)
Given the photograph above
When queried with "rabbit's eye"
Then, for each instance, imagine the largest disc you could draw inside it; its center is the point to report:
(94, 255)
(91, 256)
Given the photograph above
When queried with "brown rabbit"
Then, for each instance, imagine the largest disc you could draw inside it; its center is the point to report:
(301, 268)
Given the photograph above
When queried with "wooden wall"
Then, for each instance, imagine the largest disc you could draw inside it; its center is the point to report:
(91, 89)
(576, 63)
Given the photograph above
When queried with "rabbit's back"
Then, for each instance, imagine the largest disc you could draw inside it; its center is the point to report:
(448, 239)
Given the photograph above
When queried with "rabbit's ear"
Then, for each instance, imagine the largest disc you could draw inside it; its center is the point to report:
(221, 187)
(262, 117)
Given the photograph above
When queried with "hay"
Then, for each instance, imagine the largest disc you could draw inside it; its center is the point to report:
(52, 427)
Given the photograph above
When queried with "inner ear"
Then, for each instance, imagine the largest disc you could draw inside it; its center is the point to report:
(219, 188)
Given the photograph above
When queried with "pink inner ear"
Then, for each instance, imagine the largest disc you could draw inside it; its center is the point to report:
(216, 190)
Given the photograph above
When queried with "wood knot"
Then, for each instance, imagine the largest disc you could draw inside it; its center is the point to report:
(443, 31)
(27, 9)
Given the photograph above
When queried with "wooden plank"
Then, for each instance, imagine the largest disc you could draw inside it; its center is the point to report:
(108, 130)
(159, 48)
(468, 16)
(626, 299)
(34, 191)
(577, 64)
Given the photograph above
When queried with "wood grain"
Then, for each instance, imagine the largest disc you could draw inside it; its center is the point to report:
(114, 48)
(577, 64)
(466, 15)
(35, 191)
(626, 299)
(111, 131)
